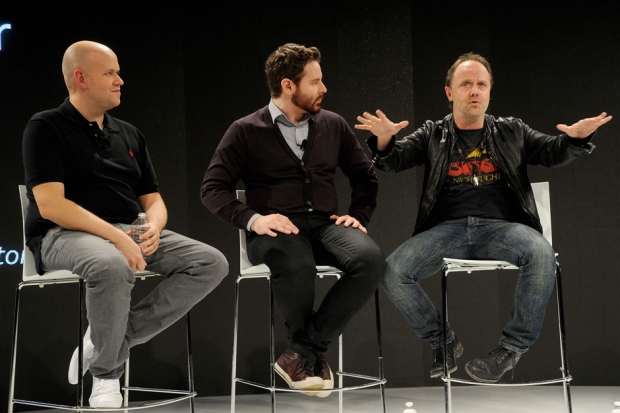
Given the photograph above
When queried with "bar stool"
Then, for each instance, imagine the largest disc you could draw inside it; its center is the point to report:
(249, 271)
(451, 265)
(31, 278)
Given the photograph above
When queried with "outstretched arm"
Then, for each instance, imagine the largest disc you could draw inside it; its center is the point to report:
(380, 126)
(585, 127)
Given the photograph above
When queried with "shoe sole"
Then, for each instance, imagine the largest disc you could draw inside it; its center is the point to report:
(114, 403)
(292, 384)
(73, 366)
(480, 379)
(108, 404)
(327, 385)
(458, 352)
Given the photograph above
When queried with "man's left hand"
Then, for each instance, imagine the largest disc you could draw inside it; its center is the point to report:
(585, 127)
(348, 221)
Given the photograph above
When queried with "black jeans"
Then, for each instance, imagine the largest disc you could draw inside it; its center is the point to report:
(292, 260)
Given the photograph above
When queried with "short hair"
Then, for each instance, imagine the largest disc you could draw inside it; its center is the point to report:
(464, 58)
(288, 62)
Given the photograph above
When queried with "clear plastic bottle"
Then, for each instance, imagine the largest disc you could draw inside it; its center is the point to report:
(139, 227)
(616, 407)
(409, 408)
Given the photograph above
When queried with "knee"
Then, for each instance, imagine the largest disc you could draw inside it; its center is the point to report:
(220, 265)
(214, 269)
(392, 279)
(113, 271)
(543, 253)
(372, 260)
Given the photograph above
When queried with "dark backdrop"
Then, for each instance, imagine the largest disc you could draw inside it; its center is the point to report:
(188, 74)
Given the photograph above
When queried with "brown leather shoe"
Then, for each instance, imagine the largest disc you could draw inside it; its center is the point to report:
(322, 370)
(297, 372)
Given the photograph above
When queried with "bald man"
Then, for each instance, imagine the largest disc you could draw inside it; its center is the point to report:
(88, 175)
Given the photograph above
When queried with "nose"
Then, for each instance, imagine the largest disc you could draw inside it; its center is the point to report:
(474, 91)
(119, 80)
(324, 88)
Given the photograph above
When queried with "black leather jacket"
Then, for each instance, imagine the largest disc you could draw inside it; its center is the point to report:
(511, 144)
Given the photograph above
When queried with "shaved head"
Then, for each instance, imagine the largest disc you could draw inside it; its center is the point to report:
(80, 55)
(92, 76)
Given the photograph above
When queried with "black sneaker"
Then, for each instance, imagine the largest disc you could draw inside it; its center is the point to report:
(491, 368)
(455, 350)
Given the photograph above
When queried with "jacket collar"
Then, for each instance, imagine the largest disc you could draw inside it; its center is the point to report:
(447, 125)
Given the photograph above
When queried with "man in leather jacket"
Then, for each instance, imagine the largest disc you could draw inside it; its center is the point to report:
(476, 203)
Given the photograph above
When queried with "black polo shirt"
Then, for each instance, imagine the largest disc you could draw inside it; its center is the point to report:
(103, 171)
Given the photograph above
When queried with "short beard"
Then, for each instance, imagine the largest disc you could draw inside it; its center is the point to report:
(306, 104)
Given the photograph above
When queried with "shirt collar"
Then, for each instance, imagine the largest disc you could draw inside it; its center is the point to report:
(276, 113)
(72, 113)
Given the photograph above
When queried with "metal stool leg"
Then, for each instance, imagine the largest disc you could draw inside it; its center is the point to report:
(14, 352)
(272, 348)
(340, 376)
(190, 363)
(444, 320)
(234, 349)
(562, 331)
(380, 348)
(80, 384)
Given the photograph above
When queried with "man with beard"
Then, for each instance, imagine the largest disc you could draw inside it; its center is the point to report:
(287, 154)
(477, 203)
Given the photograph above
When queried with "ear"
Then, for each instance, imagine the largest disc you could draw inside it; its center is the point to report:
(448, 93)
(288, 86)
(78, 76)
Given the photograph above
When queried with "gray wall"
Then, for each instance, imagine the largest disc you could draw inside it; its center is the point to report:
(188, 75)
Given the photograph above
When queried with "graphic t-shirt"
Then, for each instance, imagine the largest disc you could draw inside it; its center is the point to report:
(475, 186)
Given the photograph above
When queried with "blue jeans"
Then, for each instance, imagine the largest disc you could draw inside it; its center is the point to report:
(474, 238)
(191, 270)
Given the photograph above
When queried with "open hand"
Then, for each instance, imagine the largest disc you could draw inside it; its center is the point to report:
(585, 127)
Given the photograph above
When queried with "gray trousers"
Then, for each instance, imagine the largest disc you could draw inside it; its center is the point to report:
(191, 270)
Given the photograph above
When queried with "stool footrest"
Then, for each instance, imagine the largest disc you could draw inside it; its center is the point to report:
(374, 381)
(136, 406)
(531, 383)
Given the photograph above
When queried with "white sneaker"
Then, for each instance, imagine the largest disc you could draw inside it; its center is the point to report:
(106, 393)
(89, 349)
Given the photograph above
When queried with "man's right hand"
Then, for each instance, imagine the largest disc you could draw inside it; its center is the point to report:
(269, 224)
(131, 250)
(381, 127)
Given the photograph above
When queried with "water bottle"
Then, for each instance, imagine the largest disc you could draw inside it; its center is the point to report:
(616, 407)
(409, 408)
(139, 227)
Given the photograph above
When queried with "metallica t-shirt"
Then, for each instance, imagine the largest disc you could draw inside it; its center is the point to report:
(474, 186)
